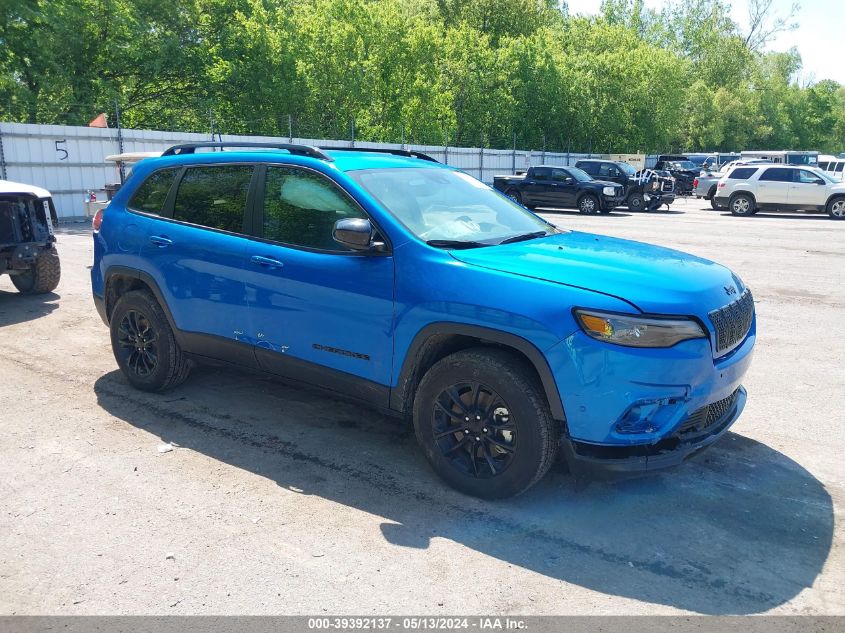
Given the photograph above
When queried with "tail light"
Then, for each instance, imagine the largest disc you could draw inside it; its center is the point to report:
(721, 185)
(695, 182)
(97, 222)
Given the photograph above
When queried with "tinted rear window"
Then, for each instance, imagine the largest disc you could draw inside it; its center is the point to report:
(741, 173)
(777, 174)
(152, 193)
(214, 196)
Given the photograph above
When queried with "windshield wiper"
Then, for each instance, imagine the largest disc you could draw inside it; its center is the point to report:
(456, 244)
(523, 237)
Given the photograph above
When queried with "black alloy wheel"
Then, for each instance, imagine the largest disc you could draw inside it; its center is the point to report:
(137, 344)
(474, 430)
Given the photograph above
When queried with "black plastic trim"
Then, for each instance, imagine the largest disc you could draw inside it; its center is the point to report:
(402, 395)
(312, 374)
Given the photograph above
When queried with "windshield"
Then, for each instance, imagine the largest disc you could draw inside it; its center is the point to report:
(825, 176)
(801, 159)
(441, 204)
(579, 174)
(627, 169)
(684, 164)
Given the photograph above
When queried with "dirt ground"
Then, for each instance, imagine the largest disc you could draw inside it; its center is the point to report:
(281, 500)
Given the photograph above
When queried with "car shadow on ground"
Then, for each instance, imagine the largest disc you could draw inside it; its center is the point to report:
(18, 308)
(739, 529)
(554, 211)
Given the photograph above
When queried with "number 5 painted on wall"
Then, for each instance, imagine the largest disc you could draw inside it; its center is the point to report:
(62, 149)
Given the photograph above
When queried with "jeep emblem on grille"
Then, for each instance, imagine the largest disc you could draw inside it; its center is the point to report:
(730, 290)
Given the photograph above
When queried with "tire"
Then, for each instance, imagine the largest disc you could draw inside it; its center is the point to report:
(43, 275)
(514, 195)
(714, 205)
(836, 208)
(742, 205)
(143, 343)
(512, 439)
(711, 196)
(589, 204)
(636, 202)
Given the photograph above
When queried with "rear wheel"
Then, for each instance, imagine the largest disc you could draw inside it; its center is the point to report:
(43, 275)
(143, 343)
(588, 204)
(836, 208)
(742, 205)
(514, 195)
(483, 422)
(636, 202)
(711, 195)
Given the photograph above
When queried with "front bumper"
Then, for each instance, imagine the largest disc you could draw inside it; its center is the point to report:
(611, 202)
(596, 460)
(631, 408)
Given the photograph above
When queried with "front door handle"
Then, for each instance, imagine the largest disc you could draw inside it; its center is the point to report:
(161, 241)
(268, 262)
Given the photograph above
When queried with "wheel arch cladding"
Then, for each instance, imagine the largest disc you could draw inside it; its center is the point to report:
(438, 340)
(119, 280)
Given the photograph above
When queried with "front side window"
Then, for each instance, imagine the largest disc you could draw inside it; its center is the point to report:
(777, 174)
(301, 208)
(442, 204)
(152, 193)
(214, 196)
(806, 176)
(627, 169)
(560, 175)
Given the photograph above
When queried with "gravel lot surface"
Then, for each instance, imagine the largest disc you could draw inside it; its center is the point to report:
(281, 500)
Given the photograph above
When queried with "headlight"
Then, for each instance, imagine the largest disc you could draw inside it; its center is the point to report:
(634, 331)
(609, 191)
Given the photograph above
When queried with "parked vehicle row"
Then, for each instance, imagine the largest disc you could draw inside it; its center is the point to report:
(591, 186)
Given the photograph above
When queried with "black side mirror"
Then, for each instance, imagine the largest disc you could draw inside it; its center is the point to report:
(357, 234)
(569, 180)
(820, 181)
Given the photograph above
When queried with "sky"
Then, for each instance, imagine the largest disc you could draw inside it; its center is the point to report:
(818, 37)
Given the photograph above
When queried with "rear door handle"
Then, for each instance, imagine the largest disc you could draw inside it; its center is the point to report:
(160, 240)
(268, 262)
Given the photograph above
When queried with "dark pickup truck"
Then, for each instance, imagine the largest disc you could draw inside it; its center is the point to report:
(683, 170)
(644, 190)
(561, 187)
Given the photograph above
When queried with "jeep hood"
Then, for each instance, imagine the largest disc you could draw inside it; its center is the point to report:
(653, 279)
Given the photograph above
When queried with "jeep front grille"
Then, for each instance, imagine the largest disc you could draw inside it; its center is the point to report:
(701, 420)
(733, 321)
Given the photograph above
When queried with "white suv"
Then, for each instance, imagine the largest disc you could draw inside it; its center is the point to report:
(748, 189)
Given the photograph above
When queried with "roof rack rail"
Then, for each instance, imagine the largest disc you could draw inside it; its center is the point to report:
(298, 150)
(384, 150)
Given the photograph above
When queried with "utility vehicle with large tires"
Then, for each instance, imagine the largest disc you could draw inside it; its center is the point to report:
(27, 241)
(413, 287)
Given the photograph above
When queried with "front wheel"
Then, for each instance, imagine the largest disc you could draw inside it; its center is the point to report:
(636, 202)
(742, 205)
(836, 208)
(483, 422)
(589, 204)
(514, 195)
(143, 343)
(42, 276)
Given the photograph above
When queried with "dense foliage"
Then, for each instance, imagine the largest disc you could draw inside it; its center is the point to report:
(424, 71)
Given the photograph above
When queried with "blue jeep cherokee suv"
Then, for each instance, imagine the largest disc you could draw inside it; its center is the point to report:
(414, 287)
